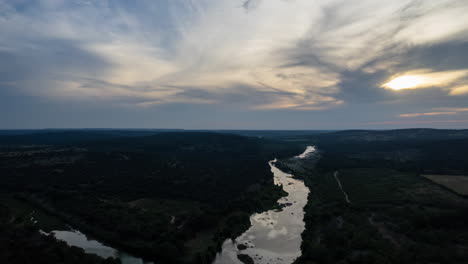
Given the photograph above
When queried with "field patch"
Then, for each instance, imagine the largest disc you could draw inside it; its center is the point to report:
(456, 183)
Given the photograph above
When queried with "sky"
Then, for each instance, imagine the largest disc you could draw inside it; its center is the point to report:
(233, 64)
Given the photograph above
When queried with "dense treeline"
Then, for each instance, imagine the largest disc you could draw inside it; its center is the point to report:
(158, 196)
(395, 215)
(412, 150)
(21, 243)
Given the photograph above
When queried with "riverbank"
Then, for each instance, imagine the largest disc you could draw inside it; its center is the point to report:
(170, 197)
(207, 244)
(394, 216)
(201, 249)
(263, 242)
(22, 242)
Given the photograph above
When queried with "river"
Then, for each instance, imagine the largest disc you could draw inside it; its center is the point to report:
(275, 235)
(91, 246)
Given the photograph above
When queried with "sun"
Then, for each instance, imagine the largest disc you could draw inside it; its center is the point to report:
(404, 82)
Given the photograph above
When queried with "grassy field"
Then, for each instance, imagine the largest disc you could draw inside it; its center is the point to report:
(458, 184)
(394, 217)
(395, 214)
(376, 186)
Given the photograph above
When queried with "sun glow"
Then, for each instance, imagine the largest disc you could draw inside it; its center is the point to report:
(405, 82)
(452, 81)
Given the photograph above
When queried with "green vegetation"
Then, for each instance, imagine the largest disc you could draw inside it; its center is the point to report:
(175, 197)
(395, 214)
(456, 183)
(169, 197)
(21, 243)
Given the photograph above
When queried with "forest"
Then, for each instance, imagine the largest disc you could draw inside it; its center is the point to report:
(159, 196)
(394, 214)
(176, 196)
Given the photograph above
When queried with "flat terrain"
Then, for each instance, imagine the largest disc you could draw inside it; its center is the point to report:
(169, 197)
(175, 197)
(456, 183)
(395, 215)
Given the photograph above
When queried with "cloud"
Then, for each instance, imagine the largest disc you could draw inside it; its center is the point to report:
(274, 233)
(427, 114)
(250, 4)
(424, 78)
(459, 90)
(454, 109)
(299, 55)
(417, 122)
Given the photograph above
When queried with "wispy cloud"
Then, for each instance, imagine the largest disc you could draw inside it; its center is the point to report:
(454, 109)
(424, 78)
(291, 54)
(250, 4)
(427, 114)
(416, 122)
(459, 90)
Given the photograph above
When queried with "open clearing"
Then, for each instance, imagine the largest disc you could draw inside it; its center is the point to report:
(458, 184)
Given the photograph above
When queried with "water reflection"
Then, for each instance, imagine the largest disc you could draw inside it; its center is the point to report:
(275, 236)
(309, 150)
(78, 239)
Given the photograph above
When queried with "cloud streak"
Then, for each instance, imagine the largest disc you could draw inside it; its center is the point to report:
(423, 78)
(427, 114)
(417, 122)
(260, 55)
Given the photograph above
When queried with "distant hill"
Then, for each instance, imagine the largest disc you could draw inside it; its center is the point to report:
(68, 137)
(271, 133)
(417, 150)
(391, 135)
(76, 136)
(188, 142)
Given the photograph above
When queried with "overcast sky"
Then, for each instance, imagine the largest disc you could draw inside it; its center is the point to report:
(233, 64)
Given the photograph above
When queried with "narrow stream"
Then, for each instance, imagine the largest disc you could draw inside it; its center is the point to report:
(275, 235)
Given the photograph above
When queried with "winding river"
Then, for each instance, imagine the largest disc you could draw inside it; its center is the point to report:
(275, 235)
